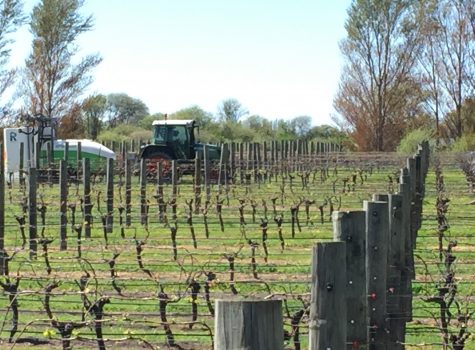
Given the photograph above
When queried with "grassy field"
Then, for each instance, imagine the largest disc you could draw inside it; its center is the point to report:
(126, 272)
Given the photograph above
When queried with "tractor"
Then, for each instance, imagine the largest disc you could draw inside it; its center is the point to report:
(174, 140)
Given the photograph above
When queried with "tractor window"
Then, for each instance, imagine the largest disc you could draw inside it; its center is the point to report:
(178, 135)
(160, 134)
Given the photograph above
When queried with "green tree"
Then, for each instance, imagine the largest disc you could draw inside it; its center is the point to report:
(53, 84)
(378, 91)
(283, 130)
(202, 117)
(94, 109)
(231, 110)
(261, 126)
(301, 125)
(123, 109)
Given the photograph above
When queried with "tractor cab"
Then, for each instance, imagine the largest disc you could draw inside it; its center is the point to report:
(172, 139)
(176, 137)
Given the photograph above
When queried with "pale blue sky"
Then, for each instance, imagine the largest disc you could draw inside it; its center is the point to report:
(279, 58)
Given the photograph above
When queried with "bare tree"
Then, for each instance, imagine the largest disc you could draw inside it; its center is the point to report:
(378, 91)
(52, 83)
(455, 42)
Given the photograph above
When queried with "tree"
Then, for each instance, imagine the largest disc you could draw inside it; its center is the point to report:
(301, 125)
(52, 83)
(71, 126)
(455, 41)
(202, 117)
(94, 109)
(377, 91)
(11, 17)
(261, 126)
(231, 110)
(123, 109)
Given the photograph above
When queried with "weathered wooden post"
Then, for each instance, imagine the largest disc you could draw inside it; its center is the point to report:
(377, 238)
(249, 325)
(21, 171)
(327, 322)
(350, 227)
(63, 206)
(197, 183)
(3, 253)
(232, 162)
(223, 161)
(397, 323)
(128, 192)
(207, 173)
(86, 179)
(32, 215)
(78, 161)
(143, 191)
(110, 195)
(407, 272)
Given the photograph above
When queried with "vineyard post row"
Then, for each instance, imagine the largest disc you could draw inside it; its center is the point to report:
(362, 282)
(361, 294)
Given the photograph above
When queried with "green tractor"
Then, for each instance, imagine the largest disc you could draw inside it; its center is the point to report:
(175, 140)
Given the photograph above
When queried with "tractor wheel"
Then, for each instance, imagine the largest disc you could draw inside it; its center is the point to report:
(159, 158)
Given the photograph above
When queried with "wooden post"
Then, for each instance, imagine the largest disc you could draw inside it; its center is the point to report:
(232, 161)
(377, 237)
(143, 191)
(250, 325)
(407, 272)
(110, 195)
(21, 171)
(3, 253)
(207, 173)
(197, 182)
(63, 206)
(66, 152)
(395, 307)
(128, 192)
(174, 179)
(350, 227)
(86, 171)
(222, 165)
(78, 161)
(327, 321)
(32, 217)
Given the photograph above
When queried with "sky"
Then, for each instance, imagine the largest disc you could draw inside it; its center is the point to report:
(279, 58)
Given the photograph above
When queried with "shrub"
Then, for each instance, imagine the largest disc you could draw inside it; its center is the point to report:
(464, 144)
(409, 143)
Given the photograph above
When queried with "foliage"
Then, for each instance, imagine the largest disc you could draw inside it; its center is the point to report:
(53, 84)
(71, 126)
(413, 139)
(94, 108)
(122, 132)
(464, 143)
(146, 122)
(121, 108)
(231, 110)
(301, 125)
(196, 113)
